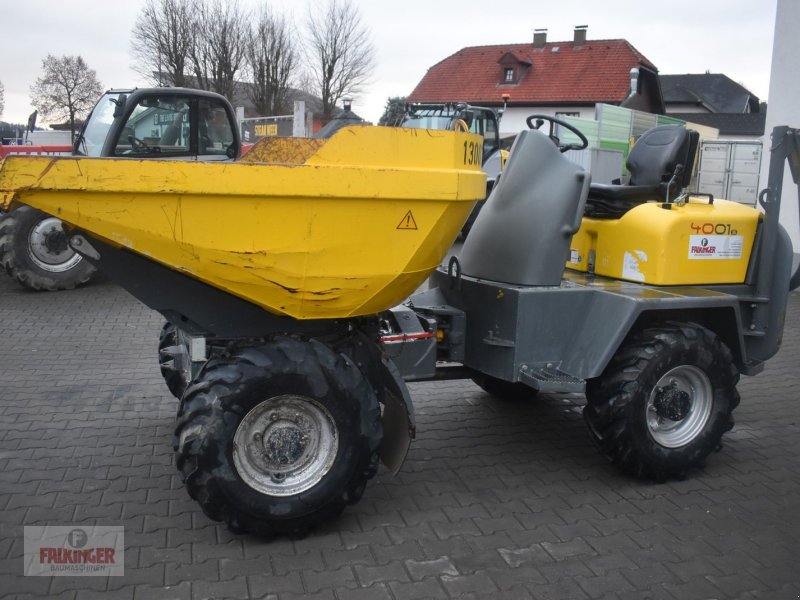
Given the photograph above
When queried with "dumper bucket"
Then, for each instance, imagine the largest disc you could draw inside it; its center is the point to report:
(311, 229)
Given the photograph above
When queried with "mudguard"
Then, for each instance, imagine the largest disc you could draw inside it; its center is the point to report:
(399, 427)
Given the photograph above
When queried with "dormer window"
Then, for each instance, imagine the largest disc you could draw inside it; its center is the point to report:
(514, 66)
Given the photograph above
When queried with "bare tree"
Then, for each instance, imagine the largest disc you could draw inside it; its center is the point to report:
(162, 39)
(341, 55)
(272, 58)
(67, 89)
(220, 41)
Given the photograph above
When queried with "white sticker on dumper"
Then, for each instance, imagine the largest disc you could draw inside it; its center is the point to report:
(716, 246)
(631, 261)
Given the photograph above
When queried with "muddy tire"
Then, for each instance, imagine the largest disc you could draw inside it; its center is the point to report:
(504, 390)
(664, 401)
(173, 360)
(278, 438)
(34, 251)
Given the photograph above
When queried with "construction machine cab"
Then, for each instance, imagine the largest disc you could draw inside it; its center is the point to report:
(477, 119)
(174, 123)
(165, 123)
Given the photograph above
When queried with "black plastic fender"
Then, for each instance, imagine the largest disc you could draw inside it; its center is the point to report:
(399, 426)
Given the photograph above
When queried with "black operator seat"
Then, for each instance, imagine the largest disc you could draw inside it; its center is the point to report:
(660, 165)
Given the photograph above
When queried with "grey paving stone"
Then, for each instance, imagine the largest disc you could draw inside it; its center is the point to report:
(498, 500)
(507, 578)
(321, 595)
(262, 585)
(367, 576)
(65, 595)
(125, 592)
(283, 564)
(361, 555)
(319, 580)
(605, 585)
(232, 588)
(478, 561)
(379, 591)
(178, 573)
(416, 590)
(401, 551)
(182, 591)
(574, 547)
(478, 583)
(420, 569)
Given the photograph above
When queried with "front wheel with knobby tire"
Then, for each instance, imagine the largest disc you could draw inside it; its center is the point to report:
(278, 438)
(664, 401)
(34, 251)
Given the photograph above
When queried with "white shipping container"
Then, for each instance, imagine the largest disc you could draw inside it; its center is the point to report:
(730, 170)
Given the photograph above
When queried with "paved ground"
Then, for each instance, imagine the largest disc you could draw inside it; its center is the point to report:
(497, 500)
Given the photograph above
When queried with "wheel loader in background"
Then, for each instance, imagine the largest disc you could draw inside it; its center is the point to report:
(477, 119)
(287, 276)
(143, 123)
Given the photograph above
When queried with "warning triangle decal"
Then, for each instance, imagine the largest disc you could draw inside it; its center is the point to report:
(408, 222)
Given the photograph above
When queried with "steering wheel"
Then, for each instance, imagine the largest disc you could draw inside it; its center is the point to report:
(138, 145)
(536, 121)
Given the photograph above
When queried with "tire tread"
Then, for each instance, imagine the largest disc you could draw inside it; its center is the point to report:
(213, 397)
(611, 397)
(16, 265)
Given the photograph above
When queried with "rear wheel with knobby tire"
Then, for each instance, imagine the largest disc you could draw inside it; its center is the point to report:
(278, 438)
(664, 402)
(34, 251)
(174, 360)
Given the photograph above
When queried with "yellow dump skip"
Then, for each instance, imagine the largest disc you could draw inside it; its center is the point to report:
(345, 227)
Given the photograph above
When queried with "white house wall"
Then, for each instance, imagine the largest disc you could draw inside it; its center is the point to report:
(513, 120)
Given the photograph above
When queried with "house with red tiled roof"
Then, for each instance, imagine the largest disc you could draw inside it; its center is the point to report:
(553, 78)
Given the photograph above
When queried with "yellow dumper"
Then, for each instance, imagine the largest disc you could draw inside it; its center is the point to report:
(280, 276)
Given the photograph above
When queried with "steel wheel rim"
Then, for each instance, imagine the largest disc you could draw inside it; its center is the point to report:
(674, 434)
(285, 445)
(44, 257)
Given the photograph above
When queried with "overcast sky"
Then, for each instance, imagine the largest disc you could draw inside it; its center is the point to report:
(733, 37)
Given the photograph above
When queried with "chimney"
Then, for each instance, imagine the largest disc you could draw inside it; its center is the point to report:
(539, 38)
(634, 81)
(580, 35)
